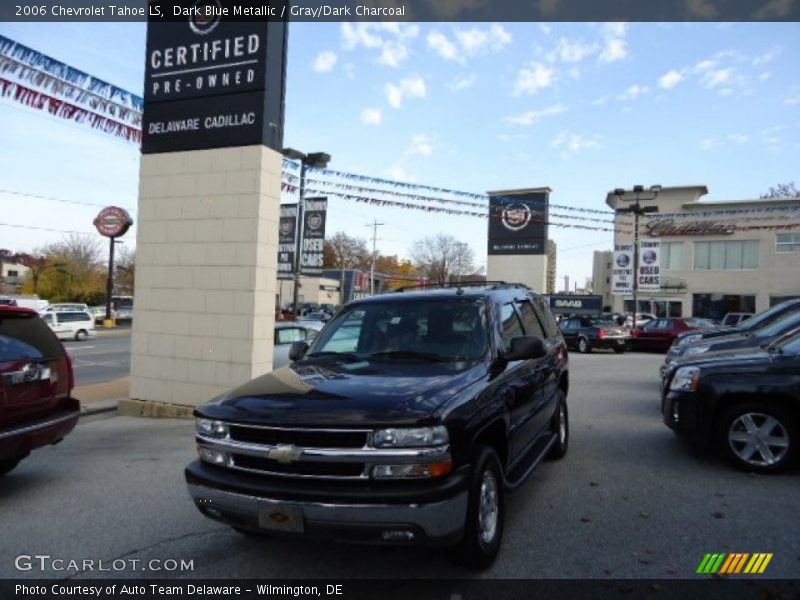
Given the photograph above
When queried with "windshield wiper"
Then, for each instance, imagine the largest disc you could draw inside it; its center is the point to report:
(408, 354)
(329, 354)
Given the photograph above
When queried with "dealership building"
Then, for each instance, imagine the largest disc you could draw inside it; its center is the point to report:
(716, 257)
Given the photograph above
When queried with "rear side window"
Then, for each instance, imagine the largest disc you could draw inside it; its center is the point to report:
(72, 317)
(24, 337)
(530, 320)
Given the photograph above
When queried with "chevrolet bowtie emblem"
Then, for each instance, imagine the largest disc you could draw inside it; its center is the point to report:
(285, 453)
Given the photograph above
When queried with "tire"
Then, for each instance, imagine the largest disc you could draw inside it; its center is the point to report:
(770, 447)
(81, 335)
(562, 445)
(619, 349)
(8, 464)
(483, 530)
(583, 346)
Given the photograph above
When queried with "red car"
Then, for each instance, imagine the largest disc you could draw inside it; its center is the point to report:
(658, 334)
(36, 380)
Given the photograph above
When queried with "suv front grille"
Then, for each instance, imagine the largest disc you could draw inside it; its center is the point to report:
(308, 438)
(302, 469)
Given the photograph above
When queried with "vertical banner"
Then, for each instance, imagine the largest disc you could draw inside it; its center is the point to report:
(312, 248)
(622, 270)
(287, 240)
(518, 222)
(649, 275)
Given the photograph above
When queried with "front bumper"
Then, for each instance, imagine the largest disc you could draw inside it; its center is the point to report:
(436, 517)
(684, 413)
(21, 439)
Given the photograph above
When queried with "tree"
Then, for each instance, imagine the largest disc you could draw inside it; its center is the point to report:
(342, 251)
(442, 257)
(37, 265)
(782, 190)
(70, 270)
(124, 271)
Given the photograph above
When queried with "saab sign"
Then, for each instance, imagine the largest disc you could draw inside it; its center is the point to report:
(213, 83)
(576, 305)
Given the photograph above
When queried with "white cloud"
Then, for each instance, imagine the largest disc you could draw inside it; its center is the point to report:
(601, 100)
(372, 116)
(421, 144)
(764, 76)
(468, 42)
(390, 38)
(533, 78)
(615, 47)
(792, 100)
(633, 92)
(574, 142)
(701, 9)
(572, 51)
(713, 78)
(670, 79)
(325, 61)
(738, 138)
(398, 173)
(708, 144)
(767, 57)
(410, 87)
(534, 116)
(462, 83)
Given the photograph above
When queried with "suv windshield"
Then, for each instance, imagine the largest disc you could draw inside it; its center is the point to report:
(441, 329)
(780, 326)
(762, 319)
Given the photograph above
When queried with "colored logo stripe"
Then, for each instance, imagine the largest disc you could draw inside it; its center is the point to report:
(724, 563)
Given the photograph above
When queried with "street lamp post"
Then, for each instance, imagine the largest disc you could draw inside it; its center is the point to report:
(314, 159)
(638, 193)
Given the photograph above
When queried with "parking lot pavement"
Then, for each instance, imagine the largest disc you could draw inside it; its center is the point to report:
(101, 359)
(629, 500)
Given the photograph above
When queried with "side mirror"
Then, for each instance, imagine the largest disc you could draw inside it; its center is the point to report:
(297, 350)
(525, 347)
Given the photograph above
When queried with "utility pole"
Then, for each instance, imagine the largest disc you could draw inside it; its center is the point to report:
(374, 226)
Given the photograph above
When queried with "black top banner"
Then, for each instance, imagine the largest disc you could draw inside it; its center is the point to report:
(518, 222)
(312, 249)
(403, 10)
(211, 82)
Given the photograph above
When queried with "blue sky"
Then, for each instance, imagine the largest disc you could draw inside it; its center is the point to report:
(582, 108)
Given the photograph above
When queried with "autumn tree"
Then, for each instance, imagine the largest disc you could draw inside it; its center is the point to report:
(70, 270)
(342, 251)
(441, 258)
(124, 271)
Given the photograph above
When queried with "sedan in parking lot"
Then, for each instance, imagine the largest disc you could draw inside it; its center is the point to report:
(658, 334)
(587, 333)
(747, 402)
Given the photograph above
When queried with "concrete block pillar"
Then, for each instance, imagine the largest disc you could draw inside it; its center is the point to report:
(206, 266)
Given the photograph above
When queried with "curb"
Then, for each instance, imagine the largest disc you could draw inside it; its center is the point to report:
(100, 407)
(129, 407)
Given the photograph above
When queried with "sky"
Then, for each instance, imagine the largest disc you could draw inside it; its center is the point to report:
(582, 108)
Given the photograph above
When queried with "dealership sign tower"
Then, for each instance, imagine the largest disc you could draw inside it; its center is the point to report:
(209, 204)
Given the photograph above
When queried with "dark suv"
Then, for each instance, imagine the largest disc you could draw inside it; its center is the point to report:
(404, 421)
(36, 380)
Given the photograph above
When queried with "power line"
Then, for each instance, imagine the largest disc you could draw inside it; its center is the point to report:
(18, 226)
(51, 198)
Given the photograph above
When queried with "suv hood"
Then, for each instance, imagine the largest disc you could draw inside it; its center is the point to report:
(731, 359)
(346, 394)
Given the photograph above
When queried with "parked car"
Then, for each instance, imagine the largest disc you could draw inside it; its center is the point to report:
(658, 334)
(36, 381)
(641, 319)
(286, 333)
(70, 325)
(588, 333)
(405, 421)
(318, 316)
(751, 325)
(734, 319)
(749, 339)
(744, 402)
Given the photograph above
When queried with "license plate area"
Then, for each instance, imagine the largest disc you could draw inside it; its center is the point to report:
(279, 516)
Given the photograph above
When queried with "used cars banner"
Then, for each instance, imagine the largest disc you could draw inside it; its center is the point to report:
(649, 275)
(311, 251)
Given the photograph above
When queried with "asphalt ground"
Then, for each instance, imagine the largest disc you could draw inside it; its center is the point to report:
(628, 501)
(105, 357)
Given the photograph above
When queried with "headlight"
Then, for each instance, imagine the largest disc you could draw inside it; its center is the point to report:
(424, 471)
(686, 379)
(409, 438)
(695, 350)
(210, 428)
(689, 339)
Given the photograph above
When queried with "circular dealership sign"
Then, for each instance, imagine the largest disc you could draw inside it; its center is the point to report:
(206, 15)
(113, 221)
(516, 217)
(623, 260)
(314, 221)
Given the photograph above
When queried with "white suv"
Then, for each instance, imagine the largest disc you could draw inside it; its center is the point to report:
(70, 325)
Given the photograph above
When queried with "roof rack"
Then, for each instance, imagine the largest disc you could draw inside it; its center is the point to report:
(492, 285)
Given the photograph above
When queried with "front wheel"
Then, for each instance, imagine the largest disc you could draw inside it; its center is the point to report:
(583, 346)
(483, 530)
(759, 437)
(81, 335)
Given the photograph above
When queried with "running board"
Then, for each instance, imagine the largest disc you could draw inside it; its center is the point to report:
(526, 472)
